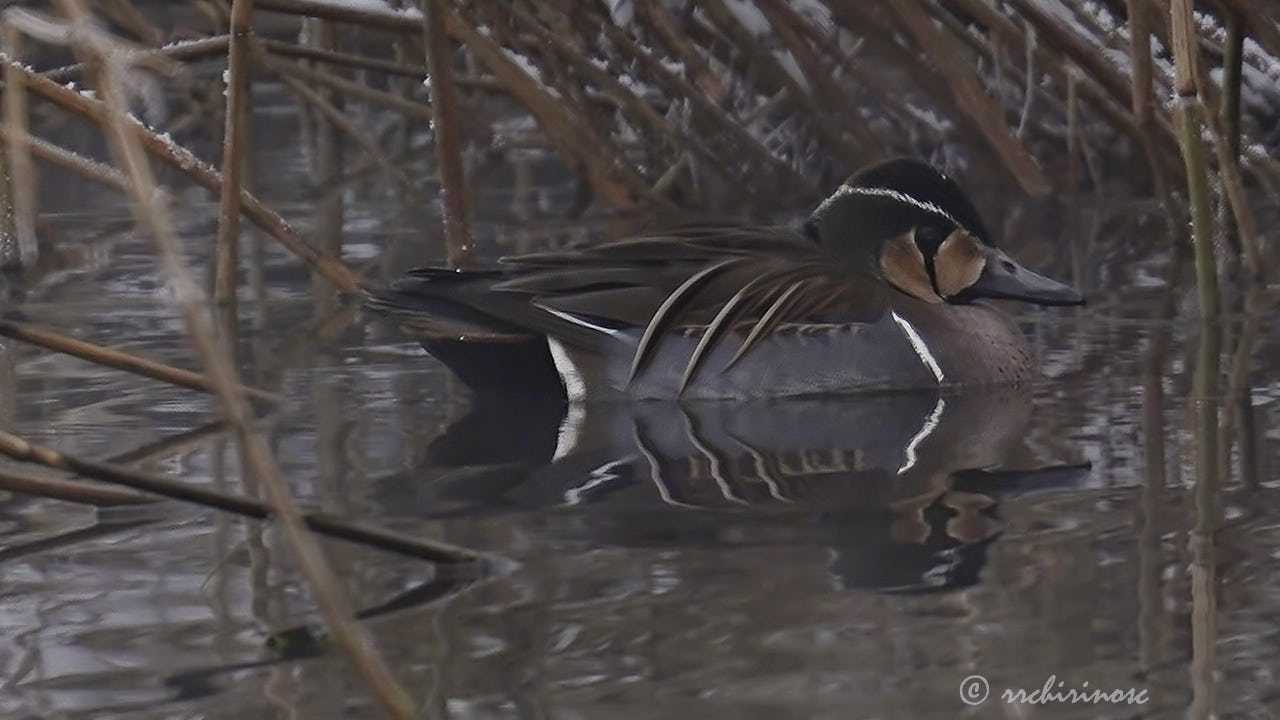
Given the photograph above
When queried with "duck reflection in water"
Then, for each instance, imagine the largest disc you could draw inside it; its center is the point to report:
(904, 489)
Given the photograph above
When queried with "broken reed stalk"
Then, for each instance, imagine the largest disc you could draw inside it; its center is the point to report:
(448, 136)
(121, 360)
(199, 172)
(152, 216)
(21, 170)
(226, 260)
(240, 505)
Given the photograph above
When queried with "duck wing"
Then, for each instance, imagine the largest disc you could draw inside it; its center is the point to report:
(712, 279)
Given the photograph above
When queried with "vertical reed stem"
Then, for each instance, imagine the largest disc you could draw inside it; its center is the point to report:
(1185, 58)
(448, 141)
(1232, 62)
(1203, 580)
(1140, 59)
(21, 180)
(227, 260)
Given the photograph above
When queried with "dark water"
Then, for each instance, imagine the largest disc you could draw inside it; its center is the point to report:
(809, 559)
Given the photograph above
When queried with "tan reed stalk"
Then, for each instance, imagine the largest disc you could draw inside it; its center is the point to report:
(448, 136)
(258, 458)
(409, 108)
(1141, 96)
(239, 93)
(189, 50)
(358, 62)
(22, 179)
(69, 490)
(79, 164)
(1186, 57)
(120, 360)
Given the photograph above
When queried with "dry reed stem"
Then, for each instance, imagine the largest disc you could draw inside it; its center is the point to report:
(801, 100)
(257, 455)
(664, 24)
(22, 178)
(200, 172)
(238, 92)
(69, 490)
(807, 47)
(338, 119)
(1141, 94)
(409, 108)
(185, 50)
(1233, 183)
(1265, 32)
(637, 107)
(131, 18)
(1116, 110)
(408, 546)
(168, 445)
(717, 123)
(1051, 30)
(1225, 125)
(971, 98)
(448, 136)
(384, 19)
(85, 167)
(1186, 75)
(121, 360)
(357, 62)
(578, 143)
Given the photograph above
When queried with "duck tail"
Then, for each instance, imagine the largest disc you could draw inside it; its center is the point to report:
(492, 356)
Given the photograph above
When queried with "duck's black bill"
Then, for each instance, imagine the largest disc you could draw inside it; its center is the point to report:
(1002, 278)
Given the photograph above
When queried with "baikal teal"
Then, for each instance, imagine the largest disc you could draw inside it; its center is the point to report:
(881, 288)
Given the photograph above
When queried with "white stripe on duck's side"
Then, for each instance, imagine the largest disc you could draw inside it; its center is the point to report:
(922, 350)
(575, 386)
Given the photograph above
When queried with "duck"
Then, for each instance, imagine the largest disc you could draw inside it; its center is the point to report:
(885, 286)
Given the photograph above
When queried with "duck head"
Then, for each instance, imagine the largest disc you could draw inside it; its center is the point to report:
(913, 226)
